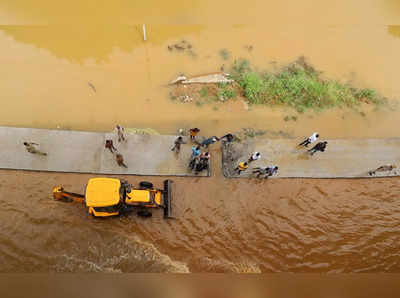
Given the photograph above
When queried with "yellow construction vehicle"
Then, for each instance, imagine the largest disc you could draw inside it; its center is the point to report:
(110, 197)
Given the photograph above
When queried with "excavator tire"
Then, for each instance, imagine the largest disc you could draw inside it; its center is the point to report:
(146, 185)
(144, 213)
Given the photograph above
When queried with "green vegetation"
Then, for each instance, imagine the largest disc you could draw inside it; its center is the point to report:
(288, 118)
(199, 103)
(203, 92)
(300, 86)
(226, 91)
(172, 96)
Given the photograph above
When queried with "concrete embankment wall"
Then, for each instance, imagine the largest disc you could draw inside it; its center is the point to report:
(343, 158)
(84, 152)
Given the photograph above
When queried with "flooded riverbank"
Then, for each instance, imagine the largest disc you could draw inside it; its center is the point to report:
(85, 67)
(130, 82)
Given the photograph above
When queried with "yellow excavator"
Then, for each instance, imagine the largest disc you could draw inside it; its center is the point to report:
(106, 197)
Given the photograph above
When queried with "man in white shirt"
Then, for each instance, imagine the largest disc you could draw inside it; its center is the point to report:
(254, 156)
(310, 140)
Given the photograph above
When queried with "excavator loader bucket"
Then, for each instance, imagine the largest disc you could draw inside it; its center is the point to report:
(167, 196)
(60, 194)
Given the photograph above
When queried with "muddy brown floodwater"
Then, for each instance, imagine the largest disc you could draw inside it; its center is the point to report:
(86, 67)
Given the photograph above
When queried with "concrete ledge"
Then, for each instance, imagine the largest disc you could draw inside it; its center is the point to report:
(342, 159)
(84, 152)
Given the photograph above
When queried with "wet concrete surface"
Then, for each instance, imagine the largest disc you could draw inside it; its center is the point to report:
(84, 152)
(343, 158)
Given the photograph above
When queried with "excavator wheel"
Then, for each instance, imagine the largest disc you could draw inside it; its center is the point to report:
(144, 213)
(145, 185)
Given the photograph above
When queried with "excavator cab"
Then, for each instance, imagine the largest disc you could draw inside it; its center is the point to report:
(106, 197)
(103, 197)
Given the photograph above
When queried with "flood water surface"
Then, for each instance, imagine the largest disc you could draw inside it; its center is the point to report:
(86, 67)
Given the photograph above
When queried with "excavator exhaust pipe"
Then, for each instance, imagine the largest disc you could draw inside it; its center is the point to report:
(167, 199)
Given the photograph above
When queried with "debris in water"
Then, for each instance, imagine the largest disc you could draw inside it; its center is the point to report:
(92, 86)
(178, 80)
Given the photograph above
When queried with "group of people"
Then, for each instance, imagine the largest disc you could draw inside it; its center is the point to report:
(110, 146)
(267, 171)
(259, 172)
(32, 147)
(320, 146)
(199, 161)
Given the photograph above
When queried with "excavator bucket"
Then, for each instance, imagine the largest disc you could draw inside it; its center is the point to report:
(60, 194)
(167, 195)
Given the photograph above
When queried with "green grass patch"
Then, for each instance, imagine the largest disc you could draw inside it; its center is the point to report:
(199, 103)
(226, 91)
(203, 92)
(299, 86)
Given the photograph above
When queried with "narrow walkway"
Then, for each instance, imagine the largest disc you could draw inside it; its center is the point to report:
(341, 159)
(84, 152)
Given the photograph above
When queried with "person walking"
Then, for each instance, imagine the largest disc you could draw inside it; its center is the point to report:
(193, 133)
(260, 171)
(255, 156)
(266, 171)
(120, 160)
(209, 141)
(30, 147)
(110, 145)
(321, 146)
(242, 166)
(195, 151)
(228, 137)
(270, 171)
(120, 133)
(194, 159)
(311, 139)
(177, 144)
(385, 168)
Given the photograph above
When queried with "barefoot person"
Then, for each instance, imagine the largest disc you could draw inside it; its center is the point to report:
(209, 141)
(177, 144)
(385, 168)
(120, 133)
(193, 133)
(311, 139)
(120, 160)
(321, 146)
(266, 171)
(110, 145)
(30, 147)
(228, 138)
(255, 156)
(243, 166)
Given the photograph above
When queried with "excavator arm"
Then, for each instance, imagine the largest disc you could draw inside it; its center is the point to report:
(60, 194)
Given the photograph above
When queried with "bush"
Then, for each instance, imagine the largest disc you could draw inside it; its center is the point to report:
(300, 86)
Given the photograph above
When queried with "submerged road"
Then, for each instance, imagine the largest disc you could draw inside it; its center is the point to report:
(84, 152)
(343, 158)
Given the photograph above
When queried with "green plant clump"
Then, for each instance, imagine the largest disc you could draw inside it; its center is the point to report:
(203, 92)
(300, 86)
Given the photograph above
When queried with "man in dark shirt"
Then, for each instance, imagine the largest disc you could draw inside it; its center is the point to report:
(319, 147)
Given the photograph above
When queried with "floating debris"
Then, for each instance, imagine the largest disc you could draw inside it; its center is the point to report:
(92, 86)
(204, 79)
